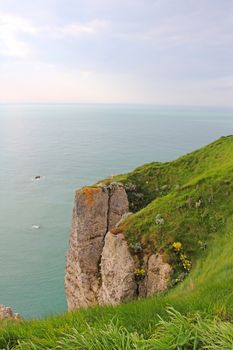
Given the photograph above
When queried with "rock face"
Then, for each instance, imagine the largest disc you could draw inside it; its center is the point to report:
(158, 274)
(6, 313)
(97, 210)
(99, 266)
(117, 271)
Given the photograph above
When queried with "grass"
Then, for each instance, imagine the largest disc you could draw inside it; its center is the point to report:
(195, 314)
(192, 195)
(177, 332)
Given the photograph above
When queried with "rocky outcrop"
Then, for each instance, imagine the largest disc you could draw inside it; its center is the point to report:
(6, 313)
(100, 268)
(97, 210)
(88, 229)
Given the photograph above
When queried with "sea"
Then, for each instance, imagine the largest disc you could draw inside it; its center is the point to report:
(69, 146)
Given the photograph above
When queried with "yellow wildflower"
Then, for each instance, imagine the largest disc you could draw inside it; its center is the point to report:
(177, 246)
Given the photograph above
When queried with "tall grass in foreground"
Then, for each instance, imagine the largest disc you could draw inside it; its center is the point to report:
(202, 320)
(176, 332)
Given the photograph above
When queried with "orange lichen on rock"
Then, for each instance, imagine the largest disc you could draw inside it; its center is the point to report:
(89, 193)
(117, 230)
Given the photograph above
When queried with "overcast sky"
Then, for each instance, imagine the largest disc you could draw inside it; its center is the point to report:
(122, 51)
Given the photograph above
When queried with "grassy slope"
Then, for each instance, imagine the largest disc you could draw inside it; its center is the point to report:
(205, 174)
(151, 178)
(204, 177)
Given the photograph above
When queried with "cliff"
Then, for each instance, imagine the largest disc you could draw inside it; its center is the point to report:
(144, 232)
(101, 268)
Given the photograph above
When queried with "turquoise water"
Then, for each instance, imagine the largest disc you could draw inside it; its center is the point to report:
(73, 145)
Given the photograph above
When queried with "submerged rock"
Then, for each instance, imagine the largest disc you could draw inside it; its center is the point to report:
(38, 178)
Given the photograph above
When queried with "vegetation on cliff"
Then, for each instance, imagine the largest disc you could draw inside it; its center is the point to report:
(191, 205)
(184, 209)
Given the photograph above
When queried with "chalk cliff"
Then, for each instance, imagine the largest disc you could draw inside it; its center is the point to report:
(100, 266)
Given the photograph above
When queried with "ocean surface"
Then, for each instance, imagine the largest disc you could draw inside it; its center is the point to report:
(72, 145)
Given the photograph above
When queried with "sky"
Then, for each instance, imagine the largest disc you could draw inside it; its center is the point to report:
(165, 52)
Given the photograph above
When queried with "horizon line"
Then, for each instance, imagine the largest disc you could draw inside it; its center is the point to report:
(113, 104)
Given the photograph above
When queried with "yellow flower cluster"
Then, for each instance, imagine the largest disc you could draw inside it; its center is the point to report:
(183, 259)
(139, 275)
(139, 272)
(185, 262)
(177, 246)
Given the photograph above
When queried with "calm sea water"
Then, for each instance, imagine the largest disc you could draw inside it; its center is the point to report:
(73, 145)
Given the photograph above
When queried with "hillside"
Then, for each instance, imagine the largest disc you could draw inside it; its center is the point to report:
(190, 205)
(183, 209)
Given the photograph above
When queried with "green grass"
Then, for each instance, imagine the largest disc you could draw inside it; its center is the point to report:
(177, 332)
(195, 205)
(157, 179)
(195, 314)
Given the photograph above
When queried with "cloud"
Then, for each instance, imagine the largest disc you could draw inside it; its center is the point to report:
(193, 28)
(12, 28)
(155, 51)
(75, 29)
